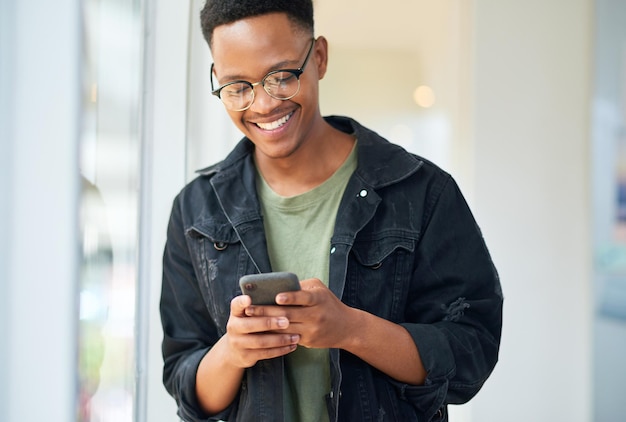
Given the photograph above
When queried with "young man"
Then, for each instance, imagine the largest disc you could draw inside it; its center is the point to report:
(400, 308)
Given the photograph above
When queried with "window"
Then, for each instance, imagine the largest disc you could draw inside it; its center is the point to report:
(110, 164)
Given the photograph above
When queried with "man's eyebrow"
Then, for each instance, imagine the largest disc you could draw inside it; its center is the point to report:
(285, 64)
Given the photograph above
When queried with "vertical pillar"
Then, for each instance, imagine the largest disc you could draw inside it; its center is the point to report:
(40, 109)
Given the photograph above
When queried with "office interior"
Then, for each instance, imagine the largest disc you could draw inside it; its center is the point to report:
(106, 112)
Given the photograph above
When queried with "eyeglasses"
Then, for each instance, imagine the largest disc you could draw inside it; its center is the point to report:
(281, 84)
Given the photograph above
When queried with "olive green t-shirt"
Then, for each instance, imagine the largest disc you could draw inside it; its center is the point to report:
(298, 231)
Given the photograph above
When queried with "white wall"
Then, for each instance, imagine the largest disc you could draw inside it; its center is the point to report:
(211, 134)
(532, 77)
(165, 123)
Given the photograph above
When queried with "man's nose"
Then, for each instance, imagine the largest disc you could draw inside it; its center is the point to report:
(263, 102)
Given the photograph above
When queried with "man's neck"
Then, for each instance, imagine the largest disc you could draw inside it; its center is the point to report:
(308, 167)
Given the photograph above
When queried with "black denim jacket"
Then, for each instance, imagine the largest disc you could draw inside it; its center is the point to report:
(405, 247)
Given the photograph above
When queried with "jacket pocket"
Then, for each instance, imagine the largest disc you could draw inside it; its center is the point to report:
(379, 272)
(217, 256)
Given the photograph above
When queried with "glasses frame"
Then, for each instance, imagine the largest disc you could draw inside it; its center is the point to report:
(296, 72)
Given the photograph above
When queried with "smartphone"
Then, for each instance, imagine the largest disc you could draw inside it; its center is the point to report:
(263, 288)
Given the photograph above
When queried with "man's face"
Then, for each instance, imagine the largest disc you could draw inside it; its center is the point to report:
(250, 48)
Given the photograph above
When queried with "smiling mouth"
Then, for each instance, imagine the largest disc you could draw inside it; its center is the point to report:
(275, 124)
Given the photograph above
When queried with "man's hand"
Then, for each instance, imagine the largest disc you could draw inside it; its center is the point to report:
(314, 313)
(253, 338)
(323, 321)
(248, 339)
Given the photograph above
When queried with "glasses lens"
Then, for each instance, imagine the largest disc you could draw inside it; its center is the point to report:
(237, 96)
(281, 84)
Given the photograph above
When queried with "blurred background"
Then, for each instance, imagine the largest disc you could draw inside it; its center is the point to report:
(106, 112)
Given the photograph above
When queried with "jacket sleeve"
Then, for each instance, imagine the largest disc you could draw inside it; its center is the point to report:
(188, 329)
(456, 298)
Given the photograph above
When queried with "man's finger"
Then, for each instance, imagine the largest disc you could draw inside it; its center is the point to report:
(239, 304)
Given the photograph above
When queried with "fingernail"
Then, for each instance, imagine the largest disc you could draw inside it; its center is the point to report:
(295, 338)
(281, 298)
(282, 322)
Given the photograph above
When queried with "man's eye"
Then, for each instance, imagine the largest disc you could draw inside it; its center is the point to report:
(235, 90)
(280, 78)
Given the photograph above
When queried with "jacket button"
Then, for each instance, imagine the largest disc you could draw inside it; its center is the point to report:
(332, 250)
(220, 246)
(363, 193)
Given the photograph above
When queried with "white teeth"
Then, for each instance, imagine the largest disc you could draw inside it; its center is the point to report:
(275, 125)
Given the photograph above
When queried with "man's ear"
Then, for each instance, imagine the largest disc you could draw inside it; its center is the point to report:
(320, 55)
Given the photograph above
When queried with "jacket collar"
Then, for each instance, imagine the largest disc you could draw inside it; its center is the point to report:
(380, 163)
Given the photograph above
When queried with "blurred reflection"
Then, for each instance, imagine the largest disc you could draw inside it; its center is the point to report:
(609, 210)
(110, 167)
(95, 275)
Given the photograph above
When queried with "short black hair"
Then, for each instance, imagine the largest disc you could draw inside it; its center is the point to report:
(221, 12)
